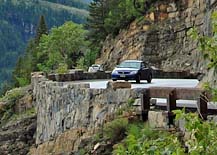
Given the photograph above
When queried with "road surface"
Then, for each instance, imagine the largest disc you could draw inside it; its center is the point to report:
(189, 83)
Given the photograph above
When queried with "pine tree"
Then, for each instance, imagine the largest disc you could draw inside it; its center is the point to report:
(41, 29)
(98, 11)
(28, 63)
(142, 6)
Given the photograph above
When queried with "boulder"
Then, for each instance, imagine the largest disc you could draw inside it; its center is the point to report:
(118, 85)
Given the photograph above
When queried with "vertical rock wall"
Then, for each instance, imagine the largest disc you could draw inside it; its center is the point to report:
(161, 37)
(63, 106)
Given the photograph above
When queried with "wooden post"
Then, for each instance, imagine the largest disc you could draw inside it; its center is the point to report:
(145, 102)
(171, 105)
(202, 105)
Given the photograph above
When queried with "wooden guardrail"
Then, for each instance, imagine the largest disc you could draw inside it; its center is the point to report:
(173, 94)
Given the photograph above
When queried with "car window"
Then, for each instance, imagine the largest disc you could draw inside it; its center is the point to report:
(143, 65)
(95, 66)
(130, 65)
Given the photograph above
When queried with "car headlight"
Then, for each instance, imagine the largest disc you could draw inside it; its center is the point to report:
(114, 72)
(133, 72)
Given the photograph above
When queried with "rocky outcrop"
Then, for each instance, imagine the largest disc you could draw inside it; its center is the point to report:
(17, 122)
(64, 143)
(18, 137)
(161, 38)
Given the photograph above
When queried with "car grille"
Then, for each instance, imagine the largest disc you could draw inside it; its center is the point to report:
(123, 72)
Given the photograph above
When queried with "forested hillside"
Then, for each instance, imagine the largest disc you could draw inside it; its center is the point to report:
(18, 21)
(82, 4)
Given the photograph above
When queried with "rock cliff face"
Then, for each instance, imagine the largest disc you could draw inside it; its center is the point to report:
(17, 138)
(17, 122)
(161, 37)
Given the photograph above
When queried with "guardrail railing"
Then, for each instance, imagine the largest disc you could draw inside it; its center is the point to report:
(172, 95)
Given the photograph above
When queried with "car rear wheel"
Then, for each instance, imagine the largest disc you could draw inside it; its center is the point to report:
(149, 79)
(138, 79)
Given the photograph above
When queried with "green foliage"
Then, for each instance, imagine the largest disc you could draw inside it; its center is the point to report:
(88, 59)
(120, 14)
(207, 44)
(81, 64)
(81, 4)
(208, 47)
(41, 29)
(115, 130)
(212, 91)
(203, 134)
(129, 108)
(108, 17)
(82, 152)
(4, 87)
(64, 44)
(130, 102)
(142, 140)
(12, 95)
(56, 51)
(18, 20)
(28, 113)
(6, 111)
(25, 65)
(8, 105)
(62, 68)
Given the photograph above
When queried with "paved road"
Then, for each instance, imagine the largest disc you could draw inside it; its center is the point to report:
(190, 83)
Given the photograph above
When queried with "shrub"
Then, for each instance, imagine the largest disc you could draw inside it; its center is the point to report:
(116, 130)
(12, 95)
(203, 133)
(10, 99)
(130, 102)
(62, 68)
(142, 140)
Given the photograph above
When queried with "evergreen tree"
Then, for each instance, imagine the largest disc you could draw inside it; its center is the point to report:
(121, 14)
(41, 29)
(28, 63)
(95, 23)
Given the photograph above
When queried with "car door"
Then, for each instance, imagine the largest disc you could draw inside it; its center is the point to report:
(144, 71)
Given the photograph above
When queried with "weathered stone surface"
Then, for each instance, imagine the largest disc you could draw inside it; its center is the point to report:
(17, 138)
(17, 129)
(164, 43)
(64, 143)
(157, 119)
(78, 75)
(118, 84)
(62, 106)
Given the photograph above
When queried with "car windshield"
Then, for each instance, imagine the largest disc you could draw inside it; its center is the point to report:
(129, 65)
(95, 65)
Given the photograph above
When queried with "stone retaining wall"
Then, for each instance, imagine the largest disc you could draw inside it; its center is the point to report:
(81, 75)
(64, 105)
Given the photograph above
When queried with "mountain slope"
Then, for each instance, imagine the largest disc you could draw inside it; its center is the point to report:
(81, 4)
(18, 21)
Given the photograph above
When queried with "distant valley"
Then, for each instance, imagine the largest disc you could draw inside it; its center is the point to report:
(18, 21)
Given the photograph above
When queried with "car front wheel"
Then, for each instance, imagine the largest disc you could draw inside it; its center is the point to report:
(138, 79)
(149, 79)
